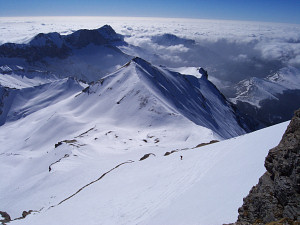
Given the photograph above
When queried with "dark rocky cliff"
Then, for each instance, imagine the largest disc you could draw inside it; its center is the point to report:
(276, 198)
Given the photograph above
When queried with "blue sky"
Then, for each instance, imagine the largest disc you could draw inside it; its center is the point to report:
(287, 11)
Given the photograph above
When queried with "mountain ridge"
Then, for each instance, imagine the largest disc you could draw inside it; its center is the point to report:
(272, 99)
(85, 54)
(195, 99)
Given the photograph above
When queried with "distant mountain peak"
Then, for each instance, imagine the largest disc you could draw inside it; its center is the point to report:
(79, 38)
(110, 34)
(171, 39)
(56, 45)
(43, 39)
(103, 35)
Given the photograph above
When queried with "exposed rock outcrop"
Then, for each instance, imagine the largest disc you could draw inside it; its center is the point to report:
(5, 217)
(56, 45)
(277, 195)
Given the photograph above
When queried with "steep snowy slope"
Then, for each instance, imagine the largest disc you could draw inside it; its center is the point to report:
(160, 91)
(85, 54)
(21, 80)
(18, 103)
(97, 184)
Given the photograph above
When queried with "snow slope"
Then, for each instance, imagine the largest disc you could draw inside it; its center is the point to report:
(18, 81)
(206, 187)
(18, 103)
(255, 90)
(159, 91)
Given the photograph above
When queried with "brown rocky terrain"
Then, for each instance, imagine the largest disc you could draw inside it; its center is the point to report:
(276, 198)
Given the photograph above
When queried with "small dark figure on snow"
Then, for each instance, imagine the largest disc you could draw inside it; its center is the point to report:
(181, 157)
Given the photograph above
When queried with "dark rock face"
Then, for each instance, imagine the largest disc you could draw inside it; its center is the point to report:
(203, 72)
(277, 195)
(273, 111)
(171, 39)
(5, 216)
(32, 53)
(56, 45)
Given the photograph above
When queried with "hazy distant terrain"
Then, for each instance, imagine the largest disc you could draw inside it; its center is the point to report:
(230, 50)
(233, 52)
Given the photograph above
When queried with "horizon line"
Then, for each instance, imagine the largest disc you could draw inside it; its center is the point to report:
(155, 17)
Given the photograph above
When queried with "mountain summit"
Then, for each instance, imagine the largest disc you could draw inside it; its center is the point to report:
(140, 86)
(85, 54)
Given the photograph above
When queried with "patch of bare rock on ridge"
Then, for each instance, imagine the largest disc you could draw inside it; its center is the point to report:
(276, 198)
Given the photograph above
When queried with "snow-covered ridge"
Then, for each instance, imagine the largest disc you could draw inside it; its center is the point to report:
(160, 90)
(254, 90)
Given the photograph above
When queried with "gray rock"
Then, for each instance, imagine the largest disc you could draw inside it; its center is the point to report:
(277, 195)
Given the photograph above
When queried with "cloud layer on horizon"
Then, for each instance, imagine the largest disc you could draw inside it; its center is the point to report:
(229, 50)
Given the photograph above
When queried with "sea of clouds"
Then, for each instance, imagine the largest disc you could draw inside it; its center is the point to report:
(230, 50)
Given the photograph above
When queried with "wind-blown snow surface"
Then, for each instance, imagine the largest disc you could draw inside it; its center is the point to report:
(206, 187)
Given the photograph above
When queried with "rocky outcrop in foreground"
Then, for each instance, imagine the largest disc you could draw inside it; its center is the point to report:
(276, 198)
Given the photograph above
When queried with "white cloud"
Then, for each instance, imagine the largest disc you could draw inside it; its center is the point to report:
(172, 48)
(295, 61)
(231, 49)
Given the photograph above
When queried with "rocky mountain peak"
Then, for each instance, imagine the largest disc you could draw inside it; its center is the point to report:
(277, 195)
(171, 39)
(101, 36)
(109, 34)
(56, 45)
(203, 72)
(54, 39)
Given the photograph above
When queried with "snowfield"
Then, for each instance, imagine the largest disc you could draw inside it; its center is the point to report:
(206, 187)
